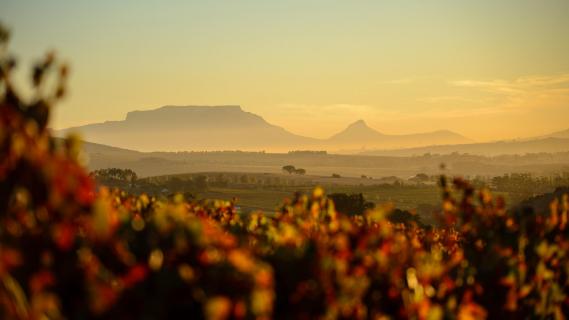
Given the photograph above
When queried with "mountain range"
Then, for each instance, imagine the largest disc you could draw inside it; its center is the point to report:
(208, 128)
(359, 134)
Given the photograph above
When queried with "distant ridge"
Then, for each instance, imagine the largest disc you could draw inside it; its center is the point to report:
(229, 127)
(359, 133)
(543, 145)
(99, 156)
(560, 134)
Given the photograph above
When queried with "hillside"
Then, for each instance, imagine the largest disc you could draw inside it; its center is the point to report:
(560, 134)
(161, 163)
(547, 145)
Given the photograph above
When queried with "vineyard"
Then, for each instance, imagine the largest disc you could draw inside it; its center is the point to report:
(70, 251)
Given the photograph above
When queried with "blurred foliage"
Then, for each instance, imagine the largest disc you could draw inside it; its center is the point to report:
(350, 204)
(67, 251)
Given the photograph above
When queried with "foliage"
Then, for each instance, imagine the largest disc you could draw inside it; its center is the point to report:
(123, 175)
(350, 204)
(300, 171)
(421, 177)
(116, 177)
(288, 169)
(405, 217)
(67, 252)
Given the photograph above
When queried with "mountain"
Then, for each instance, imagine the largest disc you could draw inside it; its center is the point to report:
(184, 128)
(360, 135)
(357, 132)
(547, 145)
(205, 128)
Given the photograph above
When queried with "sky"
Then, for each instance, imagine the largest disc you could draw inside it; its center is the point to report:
(487, 69)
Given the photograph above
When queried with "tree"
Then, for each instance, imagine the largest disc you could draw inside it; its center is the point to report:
(350, 204)
(288, 169)
(117, 174)
(405, 217)
(200, 182)
(420, 177)
(300, 171)
(335, 175)
(115, 177)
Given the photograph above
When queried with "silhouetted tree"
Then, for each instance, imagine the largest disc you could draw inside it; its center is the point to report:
(288, 169)
(353, 204)
(115, 174)
(405, 217)
(420, 177)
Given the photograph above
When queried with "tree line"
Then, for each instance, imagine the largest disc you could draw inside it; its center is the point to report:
(290, 169)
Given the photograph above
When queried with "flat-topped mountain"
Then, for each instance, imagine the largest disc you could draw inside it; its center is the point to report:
(207, 128)
(196, 117)
(176, 128)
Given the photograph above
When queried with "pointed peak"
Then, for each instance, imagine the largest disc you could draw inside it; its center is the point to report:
(359, 123)
(358, 131)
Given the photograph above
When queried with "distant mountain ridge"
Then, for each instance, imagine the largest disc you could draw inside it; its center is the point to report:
(357, 130)
(559, 134)
(360, 132)
(537, 145)
(228, 127)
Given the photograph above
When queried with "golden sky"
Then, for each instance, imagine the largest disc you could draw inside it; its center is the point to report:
(486, 69)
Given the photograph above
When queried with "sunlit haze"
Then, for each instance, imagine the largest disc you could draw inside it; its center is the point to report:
(485, 69)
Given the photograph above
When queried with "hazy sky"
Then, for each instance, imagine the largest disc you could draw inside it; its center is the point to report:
(488, 69)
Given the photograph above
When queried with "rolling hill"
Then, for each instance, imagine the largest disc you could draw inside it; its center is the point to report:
(560, 134)
(162, 163)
